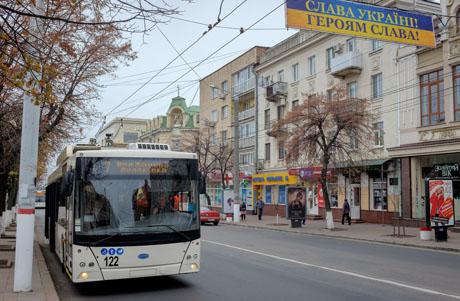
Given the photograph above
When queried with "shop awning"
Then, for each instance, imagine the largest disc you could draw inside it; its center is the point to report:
(362, 163)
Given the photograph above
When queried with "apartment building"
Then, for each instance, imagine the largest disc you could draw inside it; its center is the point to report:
(177, 128)
(227, 91)
(309, 63)
(429, 118)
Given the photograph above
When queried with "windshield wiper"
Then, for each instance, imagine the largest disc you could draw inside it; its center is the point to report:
(186, 237)
(109, 237)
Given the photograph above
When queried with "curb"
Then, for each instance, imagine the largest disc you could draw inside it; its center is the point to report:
(347, 238)
(49, 290)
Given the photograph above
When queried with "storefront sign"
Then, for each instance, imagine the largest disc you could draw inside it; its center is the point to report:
(447, 170)
(311, 173)
(320, 196)
(441, 202)
(296, 203)
(276, 178)
(361, 20)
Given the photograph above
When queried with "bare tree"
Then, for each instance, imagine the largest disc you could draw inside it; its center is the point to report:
(201, 145)
(323, 132)
(222, 153)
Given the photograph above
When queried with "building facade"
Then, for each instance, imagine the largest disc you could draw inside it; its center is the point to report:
(178, 128)
(228, 91)
(429, 133)
(122, 130)
(310, 63)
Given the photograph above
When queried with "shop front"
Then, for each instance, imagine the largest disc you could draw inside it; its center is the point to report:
(272, 189)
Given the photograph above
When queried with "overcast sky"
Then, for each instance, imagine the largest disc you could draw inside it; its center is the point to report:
(154, 52)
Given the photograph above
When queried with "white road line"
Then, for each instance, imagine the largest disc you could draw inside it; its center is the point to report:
(390, 282)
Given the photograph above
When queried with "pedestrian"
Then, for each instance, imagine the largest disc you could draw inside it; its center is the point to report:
(346, 212)
(260, 208)
(243, 211)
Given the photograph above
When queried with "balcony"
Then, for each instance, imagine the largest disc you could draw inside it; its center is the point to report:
(346, 64)
(276, 91)
(247, 114)
(247, 142)
(243, 86)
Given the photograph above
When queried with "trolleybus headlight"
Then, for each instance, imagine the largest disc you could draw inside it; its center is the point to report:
(83, 275)
(82, 264)
(194, 266)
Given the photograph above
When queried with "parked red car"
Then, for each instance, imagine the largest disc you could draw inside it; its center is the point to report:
(209, 216)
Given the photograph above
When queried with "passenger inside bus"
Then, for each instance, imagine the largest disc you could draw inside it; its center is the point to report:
(141, 201)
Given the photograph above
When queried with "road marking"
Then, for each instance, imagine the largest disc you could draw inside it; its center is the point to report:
(390, 282)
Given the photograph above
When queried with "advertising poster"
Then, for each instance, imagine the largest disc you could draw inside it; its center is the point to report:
(441, 203)
(296, 203)
(320, 196)
(361, 20)
(229, 197)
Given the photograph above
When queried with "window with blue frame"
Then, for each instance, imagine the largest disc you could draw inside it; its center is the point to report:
(282, 195)
(268, 194)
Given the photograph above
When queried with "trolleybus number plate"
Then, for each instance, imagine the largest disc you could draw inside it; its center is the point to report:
(111, 261)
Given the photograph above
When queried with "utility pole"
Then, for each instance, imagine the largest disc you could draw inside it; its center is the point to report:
(27, 181)
(236, 155)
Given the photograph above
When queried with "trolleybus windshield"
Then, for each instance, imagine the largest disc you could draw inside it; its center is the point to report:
(142, 197)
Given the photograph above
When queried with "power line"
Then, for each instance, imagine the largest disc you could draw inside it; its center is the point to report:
(209, 56)
(173, 60)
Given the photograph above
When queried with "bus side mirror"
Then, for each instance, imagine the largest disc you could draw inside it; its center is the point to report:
(201, 184)
(68, 182)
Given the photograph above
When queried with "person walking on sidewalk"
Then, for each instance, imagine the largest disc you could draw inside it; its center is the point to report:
(346, 212)
(260, 208)
(243, 211)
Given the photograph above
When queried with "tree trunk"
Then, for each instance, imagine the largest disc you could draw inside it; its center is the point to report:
(323, 181)
(208, 198)
(3, 184)
(12, 193)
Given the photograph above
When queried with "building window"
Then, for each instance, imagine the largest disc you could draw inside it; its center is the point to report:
(330, 54)
(379, 193)
(377, 86)
(295, 72)
(432, 98)
(267, 119)
(312, 65)
(281, 194)
(214, 116)
(214, 92)
(129, 137)
(457, 90)
(224, 112)
(351, 45)
(329, 94)
(247, 158)
(213, 139)
(268, 194)
(281, 150)
(281, 76)
(458, 21)
(378, 133)
(354, 142)
(247, 130)
(295, 103)
(224, 87)
(280, 112)
(352, 89)
(376, 45)
(267, 151)
(223, 134)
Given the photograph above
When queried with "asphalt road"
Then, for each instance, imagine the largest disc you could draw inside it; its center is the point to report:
(252, 264)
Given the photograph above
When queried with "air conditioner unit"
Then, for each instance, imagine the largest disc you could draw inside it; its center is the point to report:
(338, 48)
(260, 164)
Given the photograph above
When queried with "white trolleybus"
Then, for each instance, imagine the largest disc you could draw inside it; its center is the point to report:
(116, 213)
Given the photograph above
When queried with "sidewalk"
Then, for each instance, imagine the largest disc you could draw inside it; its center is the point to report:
(376, 233)
(42, 285)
